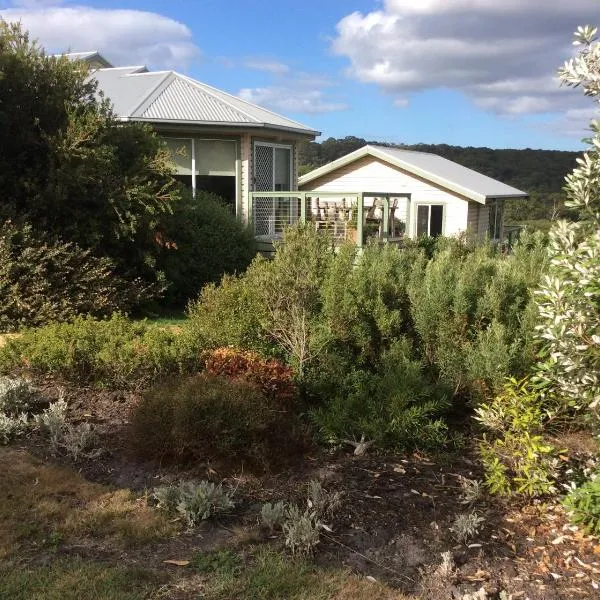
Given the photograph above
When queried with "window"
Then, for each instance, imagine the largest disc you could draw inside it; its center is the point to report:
(206, 164)
(181, 154)
(272, 167)
(430, 219)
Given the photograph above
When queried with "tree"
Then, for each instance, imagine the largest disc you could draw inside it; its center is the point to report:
(69, 168)
(569, 297)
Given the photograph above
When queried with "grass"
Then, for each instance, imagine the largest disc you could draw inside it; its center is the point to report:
(50, 514)
(75, 579)
(43, 506)
(267, 574)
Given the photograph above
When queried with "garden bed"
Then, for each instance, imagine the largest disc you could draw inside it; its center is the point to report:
(394, 523)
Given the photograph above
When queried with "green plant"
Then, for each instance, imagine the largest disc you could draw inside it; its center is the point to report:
(113, 352)
(301, 530)
(44, 280)
(194, 502)
(16, 394)
(516, 458)
(213, 416)
(583, 505)
(396, 407)
(206, 242)
(224, 563)
(466, 525)
(272, 516)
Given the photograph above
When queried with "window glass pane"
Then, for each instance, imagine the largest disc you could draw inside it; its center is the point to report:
(436, 221)
(422, 219)
(282, 169)
(181, 155)
(215, 157)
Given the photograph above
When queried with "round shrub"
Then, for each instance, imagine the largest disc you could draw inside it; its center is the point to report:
(206, 242)
(208, 417)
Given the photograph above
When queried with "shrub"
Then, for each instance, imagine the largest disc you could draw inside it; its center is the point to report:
(74, 439)
(515, 456)
(301, 530)
(213, 417)
(473, 314)
(194, 502)
(583, 504)
(15, 396)
(44, 280)
(395, 406)
(206, 242)
(466, 525)
(115, 352)
(229, 314)
(272, 516)
(274, 379)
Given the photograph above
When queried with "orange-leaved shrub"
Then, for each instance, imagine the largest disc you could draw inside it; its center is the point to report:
(274, 379)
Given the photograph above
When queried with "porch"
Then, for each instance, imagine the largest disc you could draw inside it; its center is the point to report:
(355, 216)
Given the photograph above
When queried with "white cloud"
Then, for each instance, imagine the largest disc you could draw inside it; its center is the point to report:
(124, 36)
(270, 66)
(401, 102)
(502, 54)
(289, 98)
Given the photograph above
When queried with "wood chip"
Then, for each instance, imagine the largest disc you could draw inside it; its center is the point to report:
(177, 563)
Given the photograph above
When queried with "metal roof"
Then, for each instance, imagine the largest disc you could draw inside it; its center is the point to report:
(90, 57)
(169, 97)
(434, 168)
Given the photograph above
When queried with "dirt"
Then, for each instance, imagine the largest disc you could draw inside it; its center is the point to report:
(394, 523)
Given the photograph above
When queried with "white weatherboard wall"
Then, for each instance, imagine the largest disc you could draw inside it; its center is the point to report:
(370, 174)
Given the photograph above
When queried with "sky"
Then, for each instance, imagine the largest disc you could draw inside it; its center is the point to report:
(461, 72)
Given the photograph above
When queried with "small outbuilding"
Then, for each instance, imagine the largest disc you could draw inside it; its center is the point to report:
(428, 194)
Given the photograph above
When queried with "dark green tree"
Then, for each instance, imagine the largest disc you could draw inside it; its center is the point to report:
(70, 169)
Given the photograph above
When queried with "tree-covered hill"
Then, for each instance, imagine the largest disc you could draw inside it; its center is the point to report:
(541, 173)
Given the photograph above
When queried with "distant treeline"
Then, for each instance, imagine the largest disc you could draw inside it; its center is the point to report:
(541, 173)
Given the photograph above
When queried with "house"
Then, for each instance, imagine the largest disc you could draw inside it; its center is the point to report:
(219, 142)
(426, 194)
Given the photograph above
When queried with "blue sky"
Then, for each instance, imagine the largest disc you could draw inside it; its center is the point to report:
(465, 72)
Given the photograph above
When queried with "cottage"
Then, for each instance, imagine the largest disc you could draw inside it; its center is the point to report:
(219, 142)
(426, 194)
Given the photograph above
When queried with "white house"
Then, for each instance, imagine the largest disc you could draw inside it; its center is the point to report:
(220, 143)
(427, 194)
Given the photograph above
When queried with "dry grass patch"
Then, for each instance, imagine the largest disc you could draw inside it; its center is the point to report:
(46, 504)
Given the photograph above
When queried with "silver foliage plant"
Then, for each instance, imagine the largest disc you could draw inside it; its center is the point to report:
(15, 395)
(568, 299)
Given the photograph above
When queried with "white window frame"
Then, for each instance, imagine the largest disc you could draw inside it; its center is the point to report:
(444, 206)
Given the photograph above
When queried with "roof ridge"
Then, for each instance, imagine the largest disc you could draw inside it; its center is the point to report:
(213, 91)
(152, 92)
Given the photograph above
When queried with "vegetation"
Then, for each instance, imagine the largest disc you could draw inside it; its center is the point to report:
(201, 241)
(92, 220)
(112, 352)
(208, 416)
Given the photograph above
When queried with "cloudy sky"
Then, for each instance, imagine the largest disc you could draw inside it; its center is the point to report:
(467, 72)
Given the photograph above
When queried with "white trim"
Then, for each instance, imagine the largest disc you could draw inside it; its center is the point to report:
(193, 167)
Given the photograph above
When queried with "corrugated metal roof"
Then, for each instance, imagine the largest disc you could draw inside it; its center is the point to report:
(171, 97)
(182, 101)
(432, 167)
